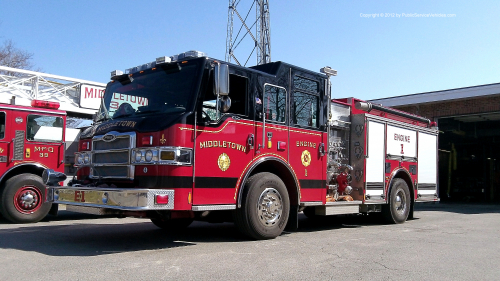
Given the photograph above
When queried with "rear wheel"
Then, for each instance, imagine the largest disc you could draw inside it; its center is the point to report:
(398, 207)
(23, 199)
(265, 207)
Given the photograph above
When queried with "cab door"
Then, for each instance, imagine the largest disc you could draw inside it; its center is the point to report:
(222, 148)
(44, 142)
(271, 130)
(4, 141)
(307, 143)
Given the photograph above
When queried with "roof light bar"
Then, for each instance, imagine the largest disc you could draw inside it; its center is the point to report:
(191, 54)
(163, 59)
(116, 73)
(45, 104)
(328, 71)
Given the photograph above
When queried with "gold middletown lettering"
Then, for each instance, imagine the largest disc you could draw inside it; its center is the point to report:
(223, 144)
(129, 124)
(43, 148)
(306, 144)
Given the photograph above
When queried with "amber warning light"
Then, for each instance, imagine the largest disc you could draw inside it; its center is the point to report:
(45, 104)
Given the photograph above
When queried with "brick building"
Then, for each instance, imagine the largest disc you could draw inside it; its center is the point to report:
(469, 139)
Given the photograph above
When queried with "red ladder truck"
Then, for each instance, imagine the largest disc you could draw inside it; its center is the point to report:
(31, 140)
(189, 138)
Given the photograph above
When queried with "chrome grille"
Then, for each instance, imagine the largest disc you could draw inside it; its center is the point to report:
(119, 142)
(109, 171)
(111, 155)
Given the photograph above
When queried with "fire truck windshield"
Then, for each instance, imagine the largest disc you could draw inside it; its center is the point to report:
(165, 89)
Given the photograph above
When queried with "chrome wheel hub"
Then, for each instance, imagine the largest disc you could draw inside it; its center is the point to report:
(270, 207)
(400, 202)
(28, 199)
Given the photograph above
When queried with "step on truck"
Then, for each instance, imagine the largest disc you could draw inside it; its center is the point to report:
(31, 140)
(188, 137)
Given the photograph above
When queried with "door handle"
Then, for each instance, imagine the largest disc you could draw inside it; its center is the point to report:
(251, 141)
(322, 149)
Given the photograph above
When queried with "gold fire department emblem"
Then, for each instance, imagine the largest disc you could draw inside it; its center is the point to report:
(306, 158)
(224, 162)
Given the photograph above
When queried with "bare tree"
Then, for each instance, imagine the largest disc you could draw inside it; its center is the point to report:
(11, 56)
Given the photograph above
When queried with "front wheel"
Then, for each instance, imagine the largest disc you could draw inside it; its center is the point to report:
(23, 199)
(265, 207)
(398, 207)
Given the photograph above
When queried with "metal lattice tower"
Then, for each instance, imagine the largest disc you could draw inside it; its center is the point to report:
(262, 39)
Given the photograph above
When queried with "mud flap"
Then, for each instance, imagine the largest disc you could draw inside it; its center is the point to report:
(410, 215)
(293, 219)
(54, 209)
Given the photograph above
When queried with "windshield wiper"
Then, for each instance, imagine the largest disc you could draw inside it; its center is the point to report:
(104, 114)
(147, 111)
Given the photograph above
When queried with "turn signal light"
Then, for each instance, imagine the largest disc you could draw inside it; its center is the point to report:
(167, 155)
(84, 145)
(45, 104)
(147, 140)
(161, 199)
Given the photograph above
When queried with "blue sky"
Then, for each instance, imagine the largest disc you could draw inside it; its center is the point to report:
(375, 57)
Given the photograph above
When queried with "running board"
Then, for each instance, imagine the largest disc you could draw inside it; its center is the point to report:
(336, 210)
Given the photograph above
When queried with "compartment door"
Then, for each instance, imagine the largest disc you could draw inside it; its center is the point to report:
(427, 166)
(375, 150)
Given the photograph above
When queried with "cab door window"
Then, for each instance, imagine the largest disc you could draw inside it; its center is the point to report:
(44, 128)
(305, 109)
(238, 94)
(275, 103)
(2, 125)
(305, 100)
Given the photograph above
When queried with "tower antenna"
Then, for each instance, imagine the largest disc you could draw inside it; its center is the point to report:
(260, 39)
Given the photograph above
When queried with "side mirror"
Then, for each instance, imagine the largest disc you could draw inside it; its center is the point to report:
(224, 104)
(221, 79)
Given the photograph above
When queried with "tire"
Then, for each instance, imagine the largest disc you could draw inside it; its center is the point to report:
(23, 199)
(173, 224)
(265, 207)
(398, 207)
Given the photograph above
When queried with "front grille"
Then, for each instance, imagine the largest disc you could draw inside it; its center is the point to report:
(19, 146)
(119, 142)
(111, 155)
(110, 171)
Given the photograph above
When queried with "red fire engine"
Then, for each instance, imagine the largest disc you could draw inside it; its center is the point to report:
(192, 138)
(31, 140)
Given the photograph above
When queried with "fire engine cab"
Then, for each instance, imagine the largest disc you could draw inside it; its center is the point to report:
(31, 140)
(189, 138)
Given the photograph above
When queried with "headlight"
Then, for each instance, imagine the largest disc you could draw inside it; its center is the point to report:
(82, 158)
(176, 156)
(86, 158)
(149, 156)
(78, 159)
(162, 155)
(138, 156)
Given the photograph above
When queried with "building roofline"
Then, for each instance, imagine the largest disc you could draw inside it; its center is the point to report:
(436, 96)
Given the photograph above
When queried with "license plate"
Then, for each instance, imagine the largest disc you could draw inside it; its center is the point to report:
(81, 196)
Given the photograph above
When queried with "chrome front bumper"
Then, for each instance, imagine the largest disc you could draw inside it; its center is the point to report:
(129, 199)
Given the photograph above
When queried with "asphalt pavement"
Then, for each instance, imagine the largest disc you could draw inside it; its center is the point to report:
(443, 242)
